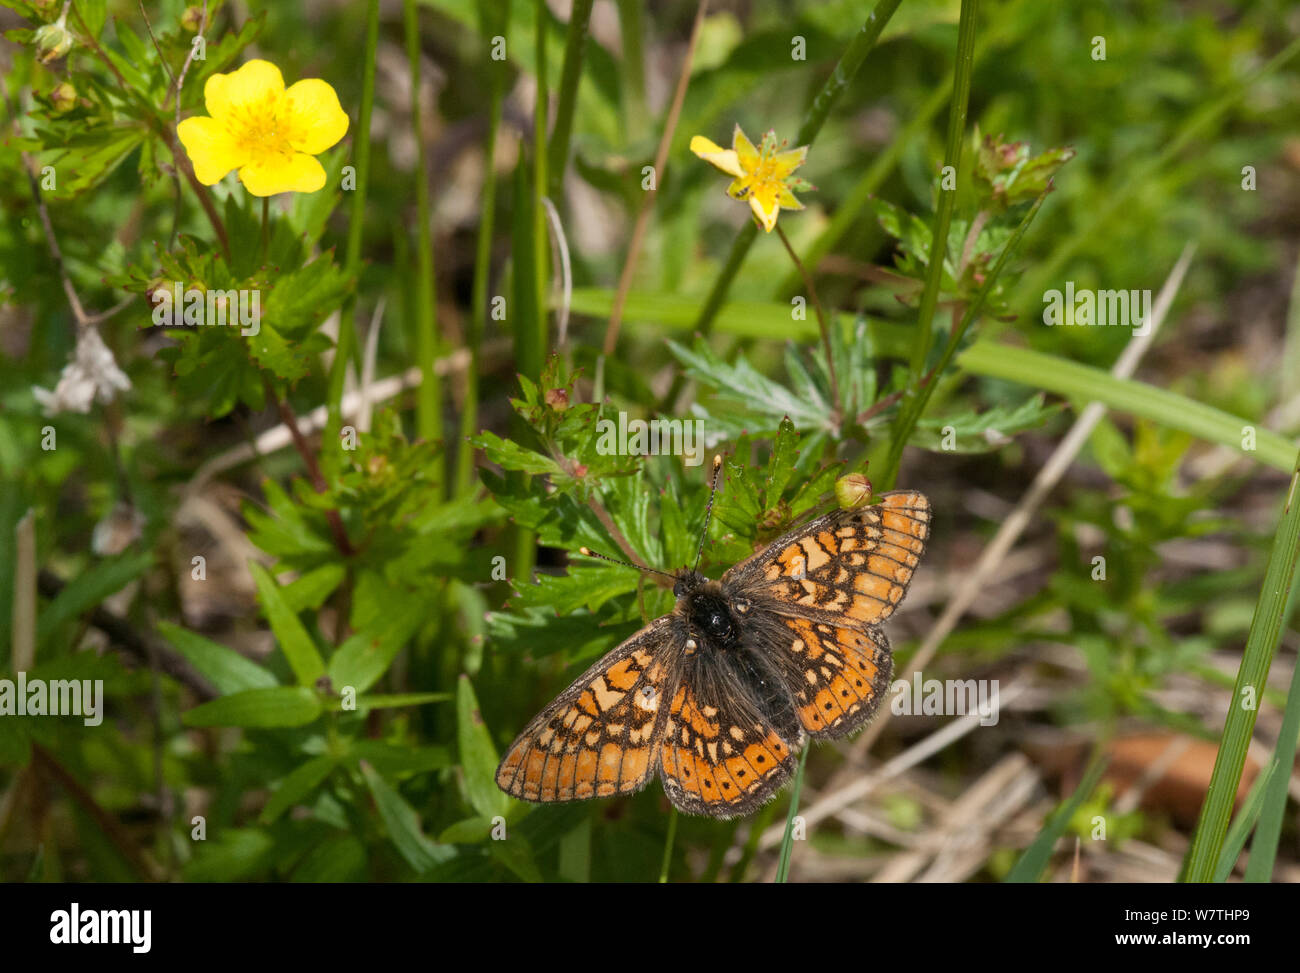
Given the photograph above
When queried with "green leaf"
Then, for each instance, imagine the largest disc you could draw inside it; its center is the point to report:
(403, 824)
(88, 590)
(261, 708)
(1031, 864)
(1085, 384)
(293, 639)
(232, 855)
(392, 760)
(510, 455)
(309, 590)
(478, 757)
(395, 700)
(363, 659)
(981, 432)
(471, 831)
(339, 858)
(301, 781)
(780, 467)
(226, 669)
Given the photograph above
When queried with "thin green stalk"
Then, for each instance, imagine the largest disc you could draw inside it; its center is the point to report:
(541, 250)
(428, 401)
(668, 847)
(919, 394)
(1263, 847)
(575, 42)
(352, 260)
(266, 223)
(787, 841)
(633, 88)
(965, 66)
(1261, 644)
(476, 325)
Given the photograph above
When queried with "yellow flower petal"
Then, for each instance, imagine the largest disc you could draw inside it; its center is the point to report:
(787, 199)
(298, 173)
(785, 163)
(739, 188)
(744, 150)
(763, 201)
(226, 94)
(210, 148)
(712, 152)
(316, 120)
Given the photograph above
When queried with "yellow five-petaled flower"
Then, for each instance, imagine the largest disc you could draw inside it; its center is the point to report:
(270, 133)
(764, 176)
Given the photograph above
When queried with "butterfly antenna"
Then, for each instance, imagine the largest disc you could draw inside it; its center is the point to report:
(588, 552)
(708, 511)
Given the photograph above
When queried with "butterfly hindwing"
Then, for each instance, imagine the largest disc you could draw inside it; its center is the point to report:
(599, 737)
(723, 751)
(849, 566)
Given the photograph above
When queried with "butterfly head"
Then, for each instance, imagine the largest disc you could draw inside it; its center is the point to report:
(687, 582)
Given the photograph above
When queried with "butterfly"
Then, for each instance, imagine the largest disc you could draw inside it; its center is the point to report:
(718, 697)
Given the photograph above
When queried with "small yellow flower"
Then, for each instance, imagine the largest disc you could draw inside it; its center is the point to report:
(764, 176)
(267, 132)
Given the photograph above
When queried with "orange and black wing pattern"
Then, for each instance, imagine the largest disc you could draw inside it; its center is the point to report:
(600, 737)
(723, 753)
(849, 567)
(838, 676)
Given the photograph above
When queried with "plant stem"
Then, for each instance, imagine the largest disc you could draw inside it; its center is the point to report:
(541, 248)
(575, 42)
(787, 842)
(668, 847)
(428, 410)
(476, 323)
(352, 260)
(633, 87)
(822, 323)
(266, 236)
(947, 197)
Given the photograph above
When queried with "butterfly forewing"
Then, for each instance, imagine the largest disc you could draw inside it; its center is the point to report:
(850, 566)
(599, 737)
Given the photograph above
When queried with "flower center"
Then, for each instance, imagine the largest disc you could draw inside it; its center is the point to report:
(262, 128)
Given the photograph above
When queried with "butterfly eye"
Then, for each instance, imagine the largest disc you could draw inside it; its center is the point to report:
(741, 605)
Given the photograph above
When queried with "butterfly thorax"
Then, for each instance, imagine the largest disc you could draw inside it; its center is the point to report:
(707, 609)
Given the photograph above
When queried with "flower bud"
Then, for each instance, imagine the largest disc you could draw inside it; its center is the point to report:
(853, 490)
(53, 41)
(63, 98)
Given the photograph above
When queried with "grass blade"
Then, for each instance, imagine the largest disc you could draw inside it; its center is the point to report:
(1084, 384)
(1261, 643)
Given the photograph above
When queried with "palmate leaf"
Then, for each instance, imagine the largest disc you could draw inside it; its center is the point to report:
(982, 432)
(742, 390)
